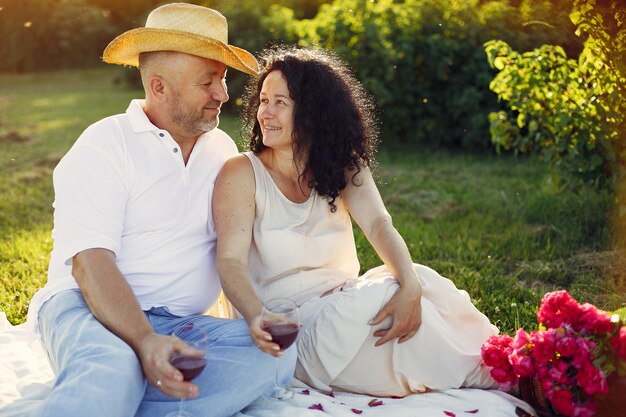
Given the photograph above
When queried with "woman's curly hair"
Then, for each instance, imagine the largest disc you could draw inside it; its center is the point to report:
(333, 116)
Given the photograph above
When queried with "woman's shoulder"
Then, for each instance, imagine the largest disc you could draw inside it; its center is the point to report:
(240, 160)
(237, 167)
(235, 182)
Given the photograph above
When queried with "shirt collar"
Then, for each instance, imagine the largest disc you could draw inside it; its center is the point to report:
(139, 122)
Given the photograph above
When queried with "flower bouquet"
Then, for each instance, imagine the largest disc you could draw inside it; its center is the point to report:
(567, 360)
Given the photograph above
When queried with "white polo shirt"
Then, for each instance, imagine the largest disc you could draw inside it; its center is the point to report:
(124, 187)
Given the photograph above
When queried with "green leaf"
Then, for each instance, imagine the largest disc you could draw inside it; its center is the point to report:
(499, 62)
(621, 313)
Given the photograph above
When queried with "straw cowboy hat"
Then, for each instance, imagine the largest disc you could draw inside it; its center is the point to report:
(181, 27)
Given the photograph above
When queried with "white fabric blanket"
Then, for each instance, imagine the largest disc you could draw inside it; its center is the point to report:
(26, 378)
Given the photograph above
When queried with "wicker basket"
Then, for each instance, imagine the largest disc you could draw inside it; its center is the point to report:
(530, 391)
(613, 404)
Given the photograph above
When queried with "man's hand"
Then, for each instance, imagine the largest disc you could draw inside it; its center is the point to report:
(154, 353)
(405, 308)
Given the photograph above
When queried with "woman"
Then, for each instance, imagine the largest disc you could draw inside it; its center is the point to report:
(283, 217)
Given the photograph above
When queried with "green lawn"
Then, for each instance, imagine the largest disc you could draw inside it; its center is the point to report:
(489, 223)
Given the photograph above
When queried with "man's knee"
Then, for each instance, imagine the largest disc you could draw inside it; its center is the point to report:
(98, 383)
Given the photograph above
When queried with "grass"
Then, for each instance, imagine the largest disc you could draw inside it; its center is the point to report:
(489, 223)
(41, 115)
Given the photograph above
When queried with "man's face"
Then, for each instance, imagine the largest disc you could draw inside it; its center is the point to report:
(198, 93)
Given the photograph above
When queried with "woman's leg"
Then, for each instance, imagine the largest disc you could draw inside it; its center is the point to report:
(444, 353)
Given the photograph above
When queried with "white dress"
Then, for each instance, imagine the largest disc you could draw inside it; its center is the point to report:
(303, 251)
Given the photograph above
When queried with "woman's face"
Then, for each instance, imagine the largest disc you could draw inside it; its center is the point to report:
(275, 113)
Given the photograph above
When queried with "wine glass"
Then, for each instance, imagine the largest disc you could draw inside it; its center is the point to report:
(189, 365)
(280, 318)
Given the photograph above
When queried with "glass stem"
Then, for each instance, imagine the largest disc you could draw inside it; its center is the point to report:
(180, 408)
(276, 387)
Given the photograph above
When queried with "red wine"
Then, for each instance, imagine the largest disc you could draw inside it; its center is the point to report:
(190, 366)
(283, 334)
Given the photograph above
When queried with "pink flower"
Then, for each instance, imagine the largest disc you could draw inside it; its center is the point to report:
(522, 364)
(544, 345)
(472, 411)
(521, 339)
(449, 413)
(305, 392)
(375, 402)
(562, 402)
(502, 376)
(556, 308)
(566, 346)
(356, 411)
(592, 380)
(317, 406)
(507, 386)
(559, 372)
(585, 410)
(500, 340)
(590, 320)
(568, 356)
(495, 350)
(584, 352)
(494, 356)
(618, 342)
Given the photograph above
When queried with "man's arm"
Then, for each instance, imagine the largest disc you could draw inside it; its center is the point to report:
(113, 303)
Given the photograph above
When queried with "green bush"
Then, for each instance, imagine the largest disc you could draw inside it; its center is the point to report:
(418, 58)
(573, 112)
(551, 110)
(423, 59)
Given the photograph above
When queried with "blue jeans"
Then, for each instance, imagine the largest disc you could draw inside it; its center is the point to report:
(98, 374)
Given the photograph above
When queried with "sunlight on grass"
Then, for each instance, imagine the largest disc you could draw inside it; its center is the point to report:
(489, 225)
(23, 266)
(53, 102)
(44, 127)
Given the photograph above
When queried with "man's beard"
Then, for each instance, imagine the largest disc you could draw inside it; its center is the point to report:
(191, 122)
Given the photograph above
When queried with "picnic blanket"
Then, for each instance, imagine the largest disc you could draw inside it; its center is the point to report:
(26, 378)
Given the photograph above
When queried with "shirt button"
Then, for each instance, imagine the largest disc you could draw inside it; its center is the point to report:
(175, 150)
(161, 134)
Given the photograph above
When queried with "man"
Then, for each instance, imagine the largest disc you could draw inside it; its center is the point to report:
(134, 242)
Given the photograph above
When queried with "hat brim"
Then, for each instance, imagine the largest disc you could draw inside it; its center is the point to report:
(125, 49)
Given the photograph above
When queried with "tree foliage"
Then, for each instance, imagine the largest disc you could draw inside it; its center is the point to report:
(47, 34)
(571, 111)
(422, 60)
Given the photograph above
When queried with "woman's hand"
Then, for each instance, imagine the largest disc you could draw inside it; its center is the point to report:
(263, 339)
(405, 308)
